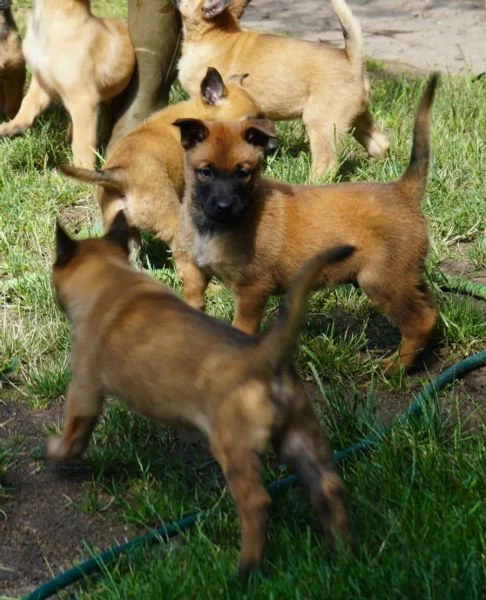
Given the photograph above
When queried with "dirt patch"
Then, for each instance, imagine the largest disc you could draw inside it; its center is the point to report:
(42, 529)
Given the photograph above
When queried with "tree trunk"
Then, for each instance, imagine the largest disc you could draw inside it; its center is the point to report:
(155, 28)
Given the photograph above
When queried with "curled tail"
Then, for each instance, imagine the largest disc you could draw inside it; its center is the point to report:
(278, 344)
(414, 179)
(109, 178)
(353, 38)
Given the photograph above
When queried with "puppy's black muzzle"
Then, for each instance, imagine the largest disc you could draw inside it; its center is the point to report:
(223, 200)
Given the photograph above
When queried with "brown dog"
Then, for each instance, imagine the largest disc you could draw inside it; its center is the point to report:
(288, 78)
(144, 174)
(255, 233)
(77, 58)
(12, 64)
(185, 367)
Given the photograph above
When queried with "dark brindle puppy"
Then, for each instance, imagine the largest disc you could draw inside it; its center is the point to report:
(132, 337)
(255, 233)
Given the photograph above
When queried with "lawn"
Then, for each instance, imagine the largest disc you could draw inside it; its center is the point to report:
(416, 500)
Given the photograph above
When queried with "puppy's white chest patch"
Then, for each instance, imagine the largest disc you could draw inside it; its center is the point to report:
(206, 251)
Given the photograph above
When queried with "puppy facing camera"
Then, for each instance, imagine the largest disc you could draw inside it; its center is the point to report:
(255, 232)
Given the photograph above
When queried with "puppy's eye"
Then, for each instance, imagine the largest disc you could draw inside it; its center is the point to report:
(242, 173)
(205, 172)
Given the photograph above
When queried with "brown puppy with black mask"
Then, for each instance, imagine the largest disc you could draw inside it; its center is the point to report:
(255, 233)
(12, 63)
(289, 78)
(144, 174)
(133, 338)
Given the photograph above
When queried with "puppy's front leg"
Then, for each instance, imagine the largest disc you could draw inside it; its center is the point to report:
(83, 115)
(249, 306)
(35, 102)
(194, 279)
(83, 407)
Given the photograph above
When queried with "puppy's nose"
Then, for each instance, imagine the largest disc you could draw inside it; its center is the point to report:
(224, 202)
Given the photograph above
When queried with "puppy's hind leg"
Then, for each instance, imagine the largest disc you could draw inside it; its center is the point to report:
(325, 135)
(369, 135)
(14, 88)
(412, 309)
(35, 102)
(301, 445)
(242, 469)
(83, 407)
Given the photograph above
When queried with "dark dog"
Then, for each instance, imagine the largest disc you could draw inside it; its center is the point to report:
(12, 63)
(132, 337)
(255, 233)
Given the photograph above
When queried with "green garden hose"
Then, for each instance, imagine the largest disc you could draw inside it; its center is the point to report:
(163, 534)
(167, 531)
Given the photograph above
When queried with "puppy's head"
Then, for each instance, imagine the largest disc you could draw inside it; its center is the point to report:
(82, 258)
(224, 102)
(223, 164)
(198, 11)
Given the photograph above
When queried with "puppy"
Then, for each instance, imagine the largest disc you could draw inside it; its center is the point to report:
(289, 78)
(77, 58)
(186, 367)
(12, 64)
(144, 174)
(255, 233)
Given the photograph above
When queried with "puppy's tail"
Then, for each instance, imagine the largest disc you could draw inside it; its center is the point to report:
(109, 178)
(353, 38)
(414, 179)
(278, 344)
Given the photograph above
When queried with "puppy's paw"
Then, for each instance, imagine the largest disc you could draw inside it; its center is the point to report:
(55, 448)
(378, 145)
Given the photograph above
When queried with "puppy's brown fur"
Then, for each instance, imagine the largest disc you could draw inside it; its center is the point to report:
(144, 174)
(133, 338)
(77, 58)
(12, 65)
(288, 78)
(277, 227)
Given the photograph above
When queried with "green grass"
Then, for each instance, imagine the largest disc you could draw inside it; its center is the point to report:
(416, 500)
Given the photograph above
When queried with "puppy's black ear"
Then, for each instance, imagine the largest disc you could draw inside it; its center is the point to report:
(119, 232)
(213, 8)
(261, 132)
(193, 131)
(65, 246)
(212, 87)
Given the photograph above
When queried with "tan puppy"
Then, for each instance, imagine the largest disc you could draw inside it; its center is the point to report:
(77, 58)
(145, 172)
(255, 233)
(288, 78)
(185, 367)
(12, 64)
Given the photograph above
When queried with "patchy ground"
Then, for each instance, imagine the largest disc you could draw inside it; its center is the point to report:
(447, 35)
(42, 522)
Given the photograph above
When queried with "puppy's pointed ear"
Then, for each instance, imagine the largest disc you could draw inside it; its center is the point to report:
(261, 132)
(119, 232)
(193, 132)
(213, 8)
(212, 87)
(65, 246)
(238, 78)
